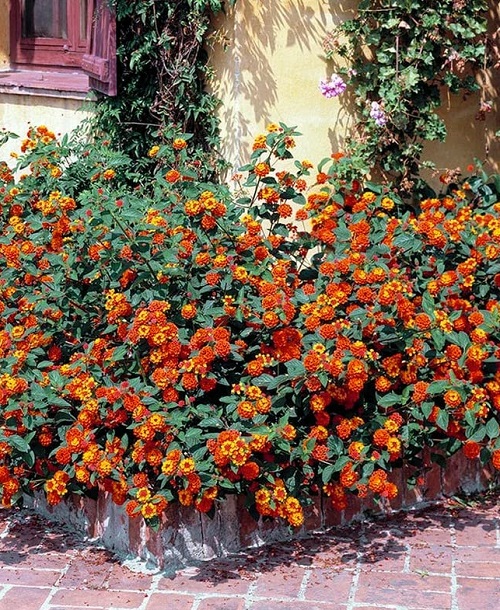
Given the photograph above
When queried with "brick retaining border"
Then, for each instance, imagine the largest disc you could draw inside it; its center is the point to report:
(186, 536)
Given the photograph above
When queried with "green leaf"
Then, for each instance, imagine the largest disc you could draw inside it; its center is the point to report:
(277, 381)
(335, 445)
(404, 241)
(263, 380)
(438, 387)
(341, 462)
(389, 400)
(443, 419)
(478, 436)
(439, 339)
(327, 474)
(368, 468)
(19, 443)
(428, 305)
(342, 233)
(470, 418)
(295, 368)
(492, 429)
(426, 408)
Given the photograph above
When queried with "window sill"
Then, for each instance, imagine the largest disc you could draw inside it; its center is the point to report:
(72, 85)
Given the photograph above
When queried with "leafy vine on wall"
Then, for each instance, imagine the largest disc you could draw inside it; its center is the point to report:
(161, 52)
(402, 56)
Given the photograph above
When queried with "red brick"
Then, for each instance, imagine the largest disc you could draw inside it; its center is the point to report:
(274, 529)
(124, 579)
(354, 507)
(27, 539)
(197, 583)
(66, 607)
(98, 598)
(339, 554)
(475, 594)
(332, 517)
(49, 560)
(395, 563)
(285, 605)
(433, 558)
(102, 509)
(82, 573)
(412, 496)
(429, 536)
(89, 508)
(432, 488)
(379, 508)
(222, 603)
(313, 515)
(479, 554)
(25, 598)
(281, 582)
(409, 590)
(482, 570)
(4, 519)
(326, 585)
(29, 577)
(154, 544)
(396, 477)
(464, 474)
(135, 533)
(364, 607)
(475, 533)
(247, 525)
(170, 601)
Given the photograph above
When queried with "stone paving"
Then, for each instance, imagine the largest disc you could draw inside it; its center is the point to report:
(443, 558)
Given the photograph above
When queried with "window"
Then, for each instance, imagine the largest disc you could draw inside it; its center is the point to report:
(76, 38)
(49, 33)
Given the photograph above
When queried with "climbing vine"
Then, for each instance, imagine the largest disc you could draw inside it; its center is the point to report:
(401, 57)
(162, 70)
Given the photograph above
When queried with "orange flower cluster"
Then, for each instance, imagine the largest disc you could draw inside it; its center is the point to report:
(230, 449)
(56, 487)
(274, 501)
(37, 136)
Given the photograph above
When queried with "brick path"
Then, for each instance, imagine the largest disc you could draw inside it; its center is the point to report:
(445, 558)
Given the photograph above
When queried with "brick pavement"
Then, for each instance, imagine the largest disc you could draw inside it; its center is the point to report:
(444, 558)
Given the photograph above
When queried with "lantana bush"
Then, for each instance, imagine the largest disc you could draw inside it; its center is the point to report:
(170, 341)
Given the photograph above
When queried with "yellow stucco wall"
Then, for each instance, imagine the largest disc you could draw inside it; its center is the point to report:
(271, 69)
(19, 112)
(469, 138)
(270, 72)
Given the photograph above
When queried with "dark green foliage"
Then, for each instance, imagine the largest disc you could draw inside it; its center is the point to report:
(404, 55)
(161, 77)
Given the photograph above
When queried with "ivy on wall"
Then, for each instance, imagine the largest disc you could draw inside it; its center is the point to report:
(161, 74)
(402, 57)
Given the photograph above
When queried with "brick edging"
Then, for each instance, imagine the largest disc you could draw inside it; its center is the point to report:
(187, 536)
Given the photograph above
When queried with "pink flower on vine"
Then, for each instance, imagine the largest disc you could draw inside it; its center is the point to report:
(377, 114)
(333, 87)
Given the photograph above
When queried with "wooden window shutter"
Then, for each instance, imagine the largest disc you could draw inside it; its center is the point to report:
(100, 62)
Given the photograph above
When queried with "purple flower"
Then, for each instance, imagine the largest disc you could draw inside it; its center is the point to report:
(377, 114)
(333, 87)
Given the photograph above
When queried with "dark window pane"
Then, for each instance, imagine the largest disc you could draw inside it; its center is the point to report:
(83, 19)
(44, 19)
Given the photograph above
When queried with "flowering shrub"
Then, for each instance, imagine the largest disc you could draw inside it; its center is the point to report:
(168, 341)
